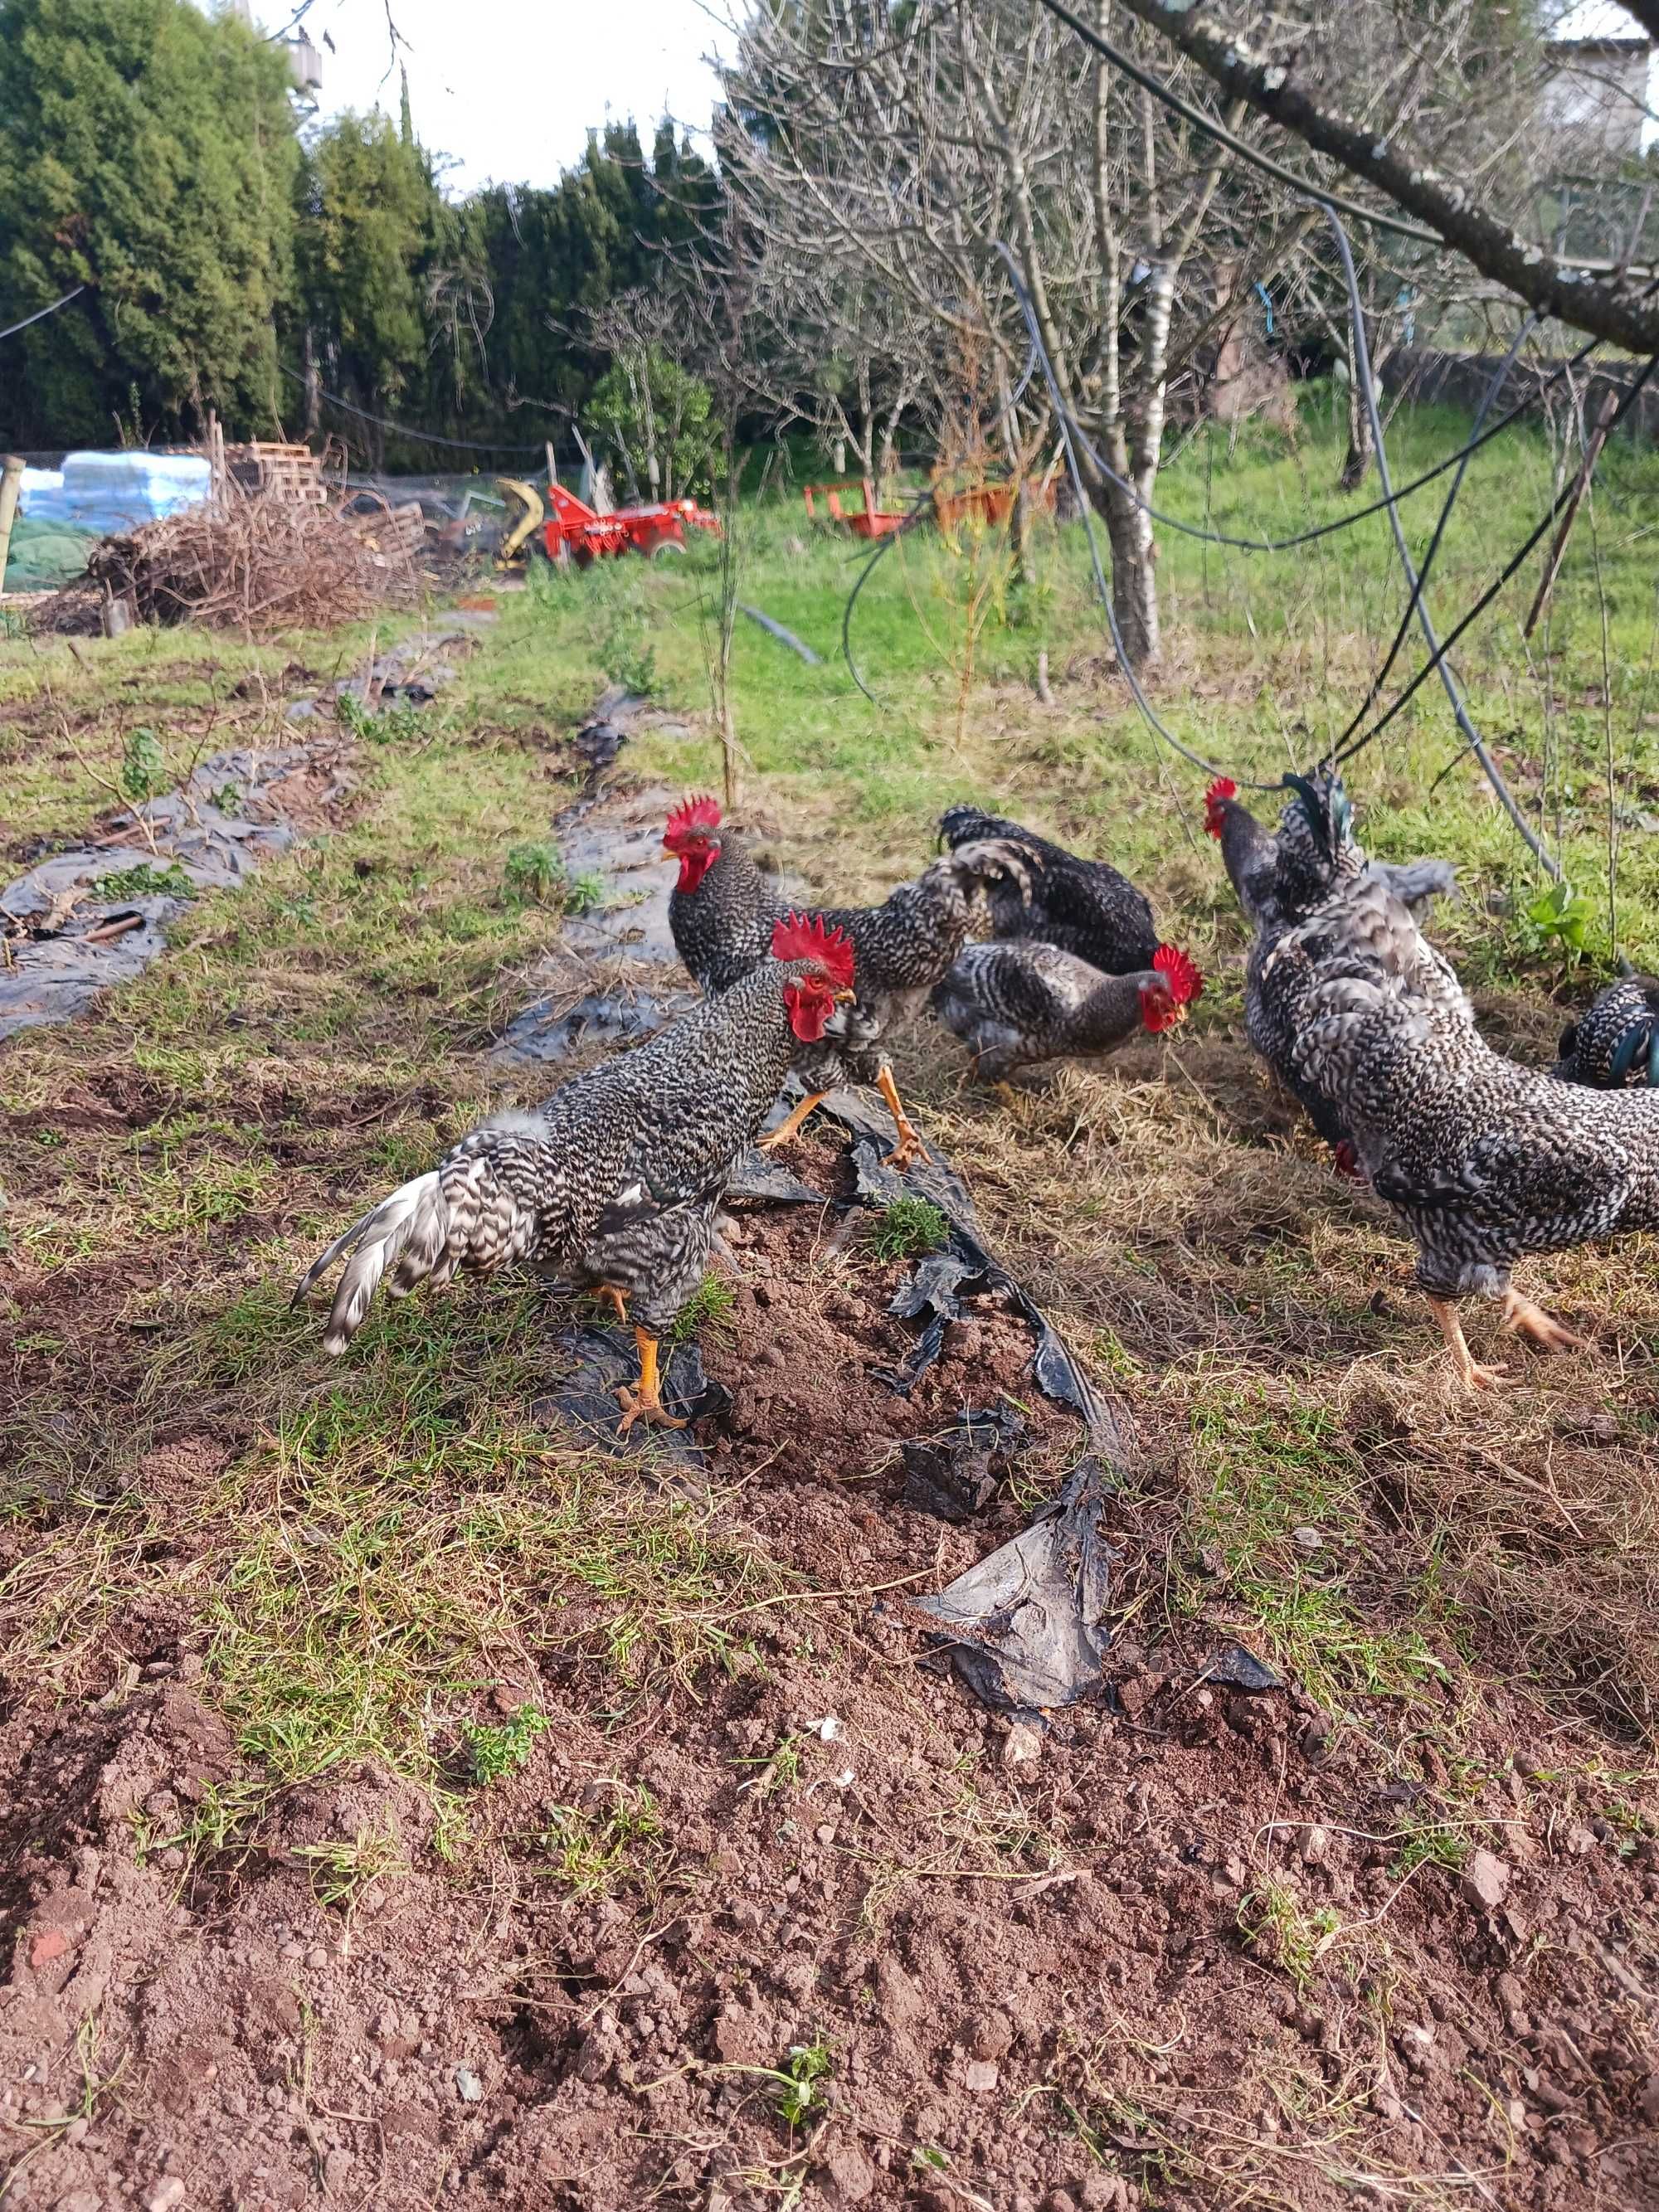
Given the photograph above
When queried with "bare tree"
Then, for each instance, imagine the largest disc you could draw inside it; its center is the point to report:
(912, 145)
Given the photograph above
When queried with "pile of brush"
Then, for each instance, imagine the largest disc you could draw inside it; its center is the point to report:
(256, 562)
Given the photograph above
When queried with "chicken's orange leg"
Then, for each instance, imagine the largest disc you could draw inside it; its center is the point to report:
(909, 1137)
(785, 1130)
(1545, 1331)
(644, 1404)
(1472, 1376)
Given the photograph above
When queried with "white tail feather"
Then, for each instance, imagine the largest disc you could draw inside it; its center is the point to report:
(405, 1236)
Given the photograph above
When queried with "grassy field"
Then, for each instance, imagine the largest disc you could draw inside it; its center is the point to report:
(353, 1559)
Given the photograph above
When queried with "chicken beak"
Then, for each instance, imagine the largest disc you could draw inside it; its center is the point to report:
(845, 998)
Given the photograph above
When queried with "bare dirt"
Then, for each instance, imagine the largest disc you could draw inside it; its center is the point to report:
(1071, 1968)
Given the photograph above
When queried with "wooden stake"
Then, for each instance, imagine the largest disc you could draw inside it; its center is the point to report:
(11, 490)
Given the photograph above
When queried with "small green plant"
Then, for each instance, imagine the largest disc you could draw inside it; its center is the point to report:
(1285, 1932)
(595, 1852)
(534, 875)
(708, 1312)
(1558, 920)
(907, 1229)
(384, 726)
(585, 893)
(144, 766)
(626, 655)
(799, 2097)
(498, 1751)
(147, 881)
(340, 1872)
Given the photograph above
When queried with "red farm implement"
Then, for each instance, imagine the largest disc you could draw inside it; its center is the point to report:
(576, 530)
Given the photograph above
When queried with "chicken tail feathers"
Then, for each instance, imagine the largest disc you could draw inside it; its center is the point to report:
(462, 1214)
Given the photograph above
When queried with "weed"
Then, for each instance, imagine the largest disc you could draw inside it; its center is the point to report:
(1558, 921)
(1282, 1929)
(400, 724)
(595, 1853)
(800, 2095)
(535, 873)
(144, 766)
(497, 1752)
(907, 1229)
(146, 881)
(340, 1872)
(625, 653)
(707, 1312)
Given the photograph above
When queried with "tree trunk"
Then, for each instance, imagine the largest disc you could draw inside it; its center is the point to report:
(1356, 465)
(1134, 578)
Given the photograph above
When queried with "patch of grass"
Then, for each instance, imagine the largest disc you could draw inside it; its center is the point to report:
(1279, 1925)
(144, 766)
(597, 1850)
(497, 1751)
(908, 1229)
(400, 723)
(342, 1873)
(707, 1312)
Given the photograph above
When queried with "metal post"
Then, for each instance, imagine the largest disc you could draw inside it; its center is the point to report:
(11, 488)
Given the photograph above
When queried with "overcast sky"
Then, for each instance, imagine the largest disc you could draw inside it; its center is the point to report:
(511, 87)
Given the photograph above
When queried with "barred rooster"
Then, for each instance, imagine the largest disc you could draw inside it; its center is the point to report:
(1483, 1160)
(900, 949)
(1086, 908)
(1614, 1046)
(722, 908)
(1281, 880)
(615, 1179)
(1017, 1003)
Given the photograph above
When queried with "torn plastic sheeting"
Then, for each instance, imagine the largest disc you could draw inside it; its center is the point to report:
(1026, 1627)
(608, 1017)
(764, 1180)
(604, 1360)
(51, 979)
(954, 1476)
(1235, 1667)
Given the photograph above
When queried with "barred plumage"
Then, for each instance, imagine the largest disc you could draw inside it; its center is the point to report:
(1615, 1045)
(1017, 1003)
(1086, 908)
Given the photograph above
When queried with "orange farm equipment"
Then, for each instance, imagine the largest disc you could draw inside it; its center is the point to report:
(872, 522)
(575, 531)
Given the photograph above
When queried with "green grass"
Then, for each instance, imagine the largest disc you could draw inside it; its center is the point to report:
(907, 1229)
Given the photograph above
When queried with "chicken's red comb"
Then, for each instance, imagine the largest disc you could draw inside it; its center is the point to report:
(1219, 791)
(695, 814)
(1185, 983)
(803, 936)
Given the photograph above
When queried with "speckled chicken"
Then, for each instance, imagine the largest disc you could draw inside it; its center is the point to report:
(722, 908)
(1483, 1160)
(1279, 880)
(615, 1179)
(1084, 907)
(1615, 1045)
(900, 948)
(1017, 1003)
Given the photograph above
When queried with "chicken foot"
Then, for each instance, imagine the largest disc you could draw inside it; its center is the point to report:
(909, 1137)
(612, 1296)
(645, 1404)
(1532, 1321)
(1469, 1373)
(791, 1127)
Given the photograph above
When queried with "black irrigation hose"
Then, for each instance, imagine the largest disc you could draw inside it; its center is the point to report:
(1415, 579)
(1509, 571)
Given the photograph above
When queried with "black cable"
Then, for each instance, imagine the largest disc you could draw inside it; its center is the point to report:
(41, 313)
(1362, 362)
(1486, 398)
(1507, 571)
(403, 430)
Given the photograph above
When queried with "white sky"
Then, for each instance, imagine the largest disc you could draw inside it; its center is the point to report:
(510, 88)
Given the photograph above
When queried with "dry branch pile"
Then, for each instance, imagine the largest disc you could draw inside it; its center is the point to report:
(257, 563)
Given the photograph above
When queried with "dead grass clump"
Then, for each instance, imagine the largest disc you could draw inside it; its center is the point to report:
(256, 563)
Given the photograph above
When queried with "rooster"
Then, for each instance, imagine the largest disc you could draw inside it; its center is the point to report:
(900, 949)
(1015, 1002)
(1615, 1044)
(1084, 907)
(615, 1179)
(722, 908)
(1281, 879)
(1483, 1160)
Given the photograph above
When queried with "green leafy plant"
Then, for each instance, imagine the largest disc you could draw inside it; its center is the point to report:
(1558, 919)
(799, 2096)
(907, 1229)
(498, 1751)
(384, 726)
(534, 875)
(147, 881)
(625, 653)
(144, 766)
